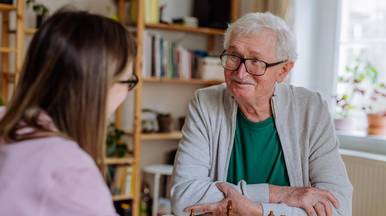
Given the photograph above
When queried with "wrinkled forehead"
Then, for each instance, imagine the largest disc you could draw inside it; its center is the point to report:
(257, 44)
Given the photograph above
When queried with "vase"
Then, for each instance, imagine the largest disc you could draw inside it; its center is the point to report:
(376, 124)
(164, 123)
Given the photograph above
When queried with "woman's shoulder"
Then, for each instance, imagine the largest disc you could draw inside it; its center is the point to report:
(53, 152)
(63, 152)
(76, 183)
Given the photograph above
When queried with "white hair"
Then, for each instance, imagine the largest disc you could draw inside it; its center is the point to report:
(254, 23)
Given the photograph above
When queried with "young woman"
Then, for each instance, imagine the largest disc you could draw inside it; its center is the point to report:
(76, 72)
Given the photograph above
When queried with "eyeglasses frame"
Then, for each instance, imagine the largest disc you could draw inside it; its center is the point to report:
(242, 61)
(131, 82)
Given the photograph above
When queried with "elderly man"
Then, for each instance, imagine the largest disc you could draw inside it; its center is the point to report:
(272, 143)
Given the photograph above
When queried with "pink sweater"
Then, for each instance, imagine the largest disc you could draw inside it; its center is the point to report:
(51, 176)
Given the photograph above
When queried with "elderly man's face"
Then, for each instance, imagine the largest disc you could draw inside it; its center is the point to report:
(261, 46)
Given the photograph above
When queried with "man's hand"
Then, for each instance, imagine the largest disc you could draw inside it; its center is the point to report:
(240, 204)
(313, 200)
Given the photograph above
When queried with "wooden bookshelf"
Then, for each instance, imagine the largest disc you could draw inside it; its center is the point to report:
(181, 81)
(138, 28)
(182, 28)
(10, 77)
(122, 197)
(7, 7)
(27, 31)
(30, 31)
(7, 50)
(174, 135)
(118, 161)
(12, 54)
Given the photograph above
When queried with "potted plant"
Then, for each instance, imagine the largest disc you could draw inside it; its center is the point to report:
(376, 116)
(115, 146)
(40, 10)
(352, 88)
(361, 91)
(164, 121)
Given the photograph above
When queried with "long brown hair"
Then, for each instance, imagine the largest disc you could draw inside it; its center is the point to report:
(71, 63)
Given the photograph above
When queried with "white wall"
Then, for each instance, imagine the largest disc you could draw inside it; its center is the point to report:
(316, 27)
(305, 30)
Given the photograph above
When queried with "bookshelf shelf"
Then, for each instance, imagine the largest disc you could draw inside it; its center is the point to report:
(7, 7)
(174, 135)
(182, 28)
(181, 81)
(28, 31)
(9, 77)
(122, 197)
(118, 161)
(7, 50)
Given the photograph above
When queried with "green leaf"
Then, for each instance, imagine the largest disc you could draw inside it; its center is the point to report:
(345, 97)
(361, 77)
(347, 69)
(350, 107)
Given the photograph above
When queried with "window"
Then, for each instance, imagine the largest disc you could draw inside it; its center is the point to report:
(362, 55)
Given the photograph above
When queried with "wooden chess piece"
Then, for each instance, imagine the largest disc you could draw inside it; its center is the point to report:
(191, 212)
(229, 208)
(271, 214)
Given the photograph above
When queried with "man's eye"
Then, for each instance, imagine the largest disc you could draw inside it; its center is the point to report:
(233, 58)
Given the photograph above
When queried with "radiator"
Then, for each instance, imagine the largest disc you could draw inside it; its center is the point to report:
(367, 173)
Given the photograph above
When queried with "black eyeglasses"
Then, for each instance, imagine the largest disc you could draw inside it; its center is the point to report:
(253, 66)
(131, 82)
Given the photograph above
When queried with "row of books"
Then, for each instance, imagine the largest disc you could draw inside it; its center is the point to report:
(119, 180)
(164, 58)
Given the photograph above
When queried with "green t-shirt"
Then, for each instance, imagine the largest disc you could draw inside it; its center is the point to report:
(257, 156)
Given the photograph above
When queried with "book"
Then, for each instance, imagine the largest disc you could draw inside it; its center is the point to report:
(129, 183)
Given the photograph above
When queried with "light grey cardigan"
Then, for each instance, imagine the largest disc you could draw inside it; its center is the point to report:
(307, 136)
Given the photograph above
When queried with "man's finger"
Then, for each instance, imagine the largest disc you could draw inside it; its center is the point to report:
(327, 207)
(224, 187)
(332, 199)
(319, 208)
(202, 208)
(310, 211)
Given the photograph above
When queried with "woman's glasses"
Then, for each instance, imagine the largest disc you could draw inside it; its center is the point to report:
(131, 82)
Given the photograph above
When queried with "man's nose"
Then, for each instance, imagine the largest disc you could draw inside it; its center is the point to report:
(241, 71)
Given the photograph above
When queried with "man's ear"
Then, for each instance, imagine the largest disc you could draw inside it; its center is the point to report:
(284, 71)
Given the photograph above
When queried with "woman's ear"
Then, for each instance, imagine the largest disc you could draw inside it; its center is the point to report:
(284, 71)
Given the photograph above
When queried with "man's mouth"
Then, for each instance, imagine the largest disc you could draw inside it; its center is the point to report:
(241, 82)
